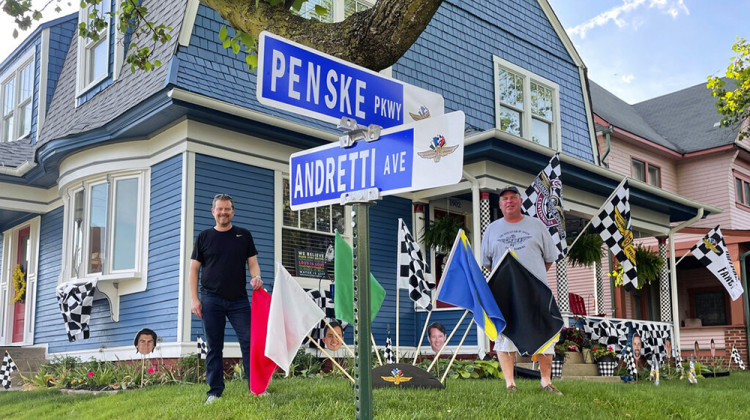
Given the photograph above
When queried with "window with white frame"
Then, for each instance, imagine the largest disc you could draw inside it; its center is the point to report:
(93, 55)
(306, 237)
(526, 105)
(646, 172)
(17, 92)
(335, 10)
(106, 226)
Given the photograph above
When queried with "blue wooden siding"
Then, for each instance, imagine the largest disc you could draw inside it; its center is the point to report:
(252, 190)
(49, 323)
(452, 57)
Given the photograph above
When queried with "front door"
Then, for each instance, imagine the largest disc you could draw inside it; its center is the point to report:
(19, 304)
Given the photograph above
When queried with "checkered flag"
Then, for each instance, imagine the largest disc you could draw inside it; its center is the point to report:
(202, 350)
(324, 300)
(388, 350)
(606, 332)
(736, 358)
(678, 361)
(6, 370)
(692, 378)
(654, 337)
(627, 357)
(543, 200)
(75, 306)
(711, 251)
(412, 271)
(654, 375)
(613, 225)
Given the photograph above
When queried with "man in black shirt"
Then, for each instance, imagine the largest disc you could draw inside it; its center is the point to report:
(220, 254)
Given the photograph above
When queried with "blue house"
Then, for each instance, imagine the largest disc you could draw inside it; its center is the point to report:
(117, 175)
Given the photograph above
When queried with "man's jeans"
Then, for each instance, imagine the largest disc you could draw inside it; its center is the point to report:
(216, 310)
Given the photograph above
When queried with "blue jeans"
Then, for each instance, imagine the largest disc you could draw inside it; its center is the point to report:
(216, 310)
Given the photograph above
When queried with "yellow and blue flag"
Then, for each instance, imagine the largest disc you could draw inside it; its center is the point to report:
(463, 285)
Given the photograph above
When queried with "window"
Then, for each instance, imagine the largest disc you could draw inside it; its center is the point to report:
(646, 172)
(307, 235)
(526, 105)
(93, 55)
(17, 90)
(336, 10)
(711, 307)
(106, 227)
(742, 191)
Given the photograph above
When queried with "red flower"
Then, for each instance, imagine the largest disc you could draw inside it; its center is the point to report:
(150, 370)
(91, 374)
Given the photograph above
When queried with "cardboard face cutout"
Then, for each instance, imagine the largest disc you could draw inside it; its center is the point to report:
(332, 343)
(145, 341)
(637, 346)
(437, 339)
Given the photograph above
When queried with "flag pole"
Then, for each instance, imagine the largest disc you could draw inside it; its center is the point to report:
(330, 357)
(437, 356)
(421, 337)
(340, 338)
(597, 212)
(375, 347)
(398, 317)
(455, 353)
(682, 258)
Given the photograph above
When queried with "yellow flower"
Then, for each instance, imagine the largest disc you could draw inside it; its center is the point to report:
(19, 284)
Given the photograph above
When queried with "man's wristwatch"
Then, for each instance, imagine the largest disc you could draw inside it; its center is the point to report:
(256, 277)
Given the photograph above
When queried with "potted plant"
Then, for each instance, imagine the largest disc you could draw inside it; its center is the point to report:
(586, 352)
(586, 251)
(558, 360)
(441, 233)
(648, 264)
(605, 359)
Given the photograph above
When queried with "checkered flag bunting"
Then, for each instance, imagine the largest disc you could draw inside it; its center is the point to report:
(606, 332)
(736, 358)
(412, 270)
(627, 357)
(6, 370)
(202, 350)
(654, 337)
(613, 225)
(75, 306)
(543, 199)
(324, 300)
(711, 251)
(389, 358)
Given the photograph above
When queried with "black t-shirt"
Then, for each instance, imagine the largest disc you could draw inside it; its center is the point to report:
(223, 257)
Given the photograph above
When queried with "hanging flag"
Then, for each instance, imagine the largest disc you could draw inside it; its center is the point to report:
(533, 319)
(412, 270)
(202, 350)
(736, 358)
(292, 314)
(629, 360)
(75, 303)
(543, 200)
(261, 367)
(463, 285)
(388, 350)
(6, 370)
(343, 301)
(711, 251)
(613, 225)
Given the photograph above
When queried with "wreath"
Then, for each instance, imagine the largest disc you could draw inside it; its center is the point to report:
(19, 284)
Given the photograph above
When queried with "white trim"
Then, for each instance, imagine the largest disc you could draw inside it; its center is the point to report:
(43, 69)
(162, 350)
(187, 218)
(560, 31)
(84, 45)
(27, 60)
(188, 22)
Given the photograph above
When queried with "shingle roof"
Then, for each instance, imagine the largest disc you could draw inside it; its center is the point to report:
(15, 153)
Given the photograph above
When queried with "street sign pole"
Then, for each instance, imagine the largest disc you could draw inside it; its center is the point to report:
(362, 331)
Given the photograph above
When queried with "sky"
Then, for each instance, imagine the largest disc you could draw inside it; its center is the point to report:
(642, 49)
(636, 49)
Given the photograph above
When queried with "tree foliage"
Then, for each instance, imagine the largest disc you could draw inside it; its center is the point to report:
(734, 105)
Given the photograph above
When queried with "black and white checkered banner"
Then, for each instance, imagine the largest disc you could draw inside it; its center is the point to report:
(654, 337)
(389, 350)
(75, 306)
(543, 199)
(627, 357)
(6, 370)
(202, 350)
(607, 332)
(325, 302)
(711, 251)
(736, 358)
(613, 225)
(412, 270)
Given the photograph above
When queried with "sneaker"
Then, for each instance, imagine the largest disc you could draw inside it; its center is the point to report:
(263, 394)
(551, 388)
(211, 399)
(512, 389)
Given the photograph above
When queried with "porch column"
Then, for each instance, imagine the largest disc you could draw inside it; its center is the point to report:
(562, 285)
(665, 297)
(484, 220)
(600, 309)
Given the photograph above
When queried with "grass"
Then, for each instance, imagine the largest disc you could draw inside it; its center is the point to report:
(333, 398)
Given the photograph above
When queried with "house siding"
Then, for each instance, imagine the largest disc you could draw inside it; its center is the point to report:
(49, 326)
(59, 42)
(693, 175)
(621, 153)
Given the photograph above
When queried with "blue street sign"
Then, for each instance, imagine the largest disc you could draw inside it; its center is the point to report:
(415, 156)
(299, 79)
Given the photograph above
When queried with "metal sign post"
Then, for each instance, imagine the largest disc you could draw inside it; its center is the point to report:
(362, 331)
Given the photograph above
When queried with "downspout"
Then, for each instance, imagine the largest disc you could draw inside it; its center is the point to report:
(476, 240)
(744, 287)
(673, 275)
(607, 131)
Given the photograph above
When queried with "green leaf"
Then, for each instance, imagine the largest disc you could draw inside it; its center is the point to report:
(227, 42)
(252, 61)
(320, 10)
(235, 47)
(223, 34)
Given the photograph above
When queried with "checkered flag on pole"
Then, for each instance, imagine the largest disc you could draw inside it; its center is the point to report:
(613, 225)
(678, 361)
(202, 350)
(692, 378)
(543, 200)
(75, 306)
(736, 358)
(388, 350)
(711, 251)
(654, 376)
(412, 270)
(627, 357)
(6, 370)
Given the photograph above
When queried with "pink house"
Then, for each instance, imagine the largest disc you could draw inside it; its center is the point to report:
(674, 142)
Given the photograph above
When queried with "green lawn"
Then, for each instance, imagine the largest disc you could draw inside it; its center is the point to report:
(333, 398)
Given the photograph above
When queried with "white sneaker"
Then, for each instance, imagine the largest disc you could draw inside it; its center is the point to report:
(210, 399)
(263, 394)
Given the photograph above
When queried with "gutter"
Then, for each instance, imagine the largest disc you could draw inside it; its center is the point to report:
(607, 131)
(19, 170)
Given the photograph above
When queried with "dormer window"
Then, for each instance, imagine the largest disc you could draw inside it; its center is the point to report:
(17, 92)
(94, 55)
